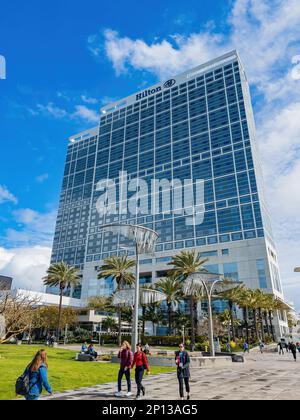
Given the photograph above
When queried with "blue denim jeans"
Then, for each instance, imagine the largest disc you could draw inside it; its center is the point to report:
(127, 376)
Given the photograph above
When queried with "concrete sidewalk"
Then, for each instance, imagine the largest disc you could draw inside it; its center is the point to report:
(263, 376)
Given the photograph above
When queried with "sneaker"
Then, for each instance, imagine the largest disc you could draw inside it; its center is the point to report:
(138, 397)
(128, 394)
(188, 397)
(118, 394)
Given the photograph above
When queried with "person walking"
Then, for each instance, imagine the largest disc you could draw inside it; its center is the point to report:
(182, 360)
(293, 350)
(246, 347)
(280, 348)
(126, 358)
(261, 347)
(37, 373)
(141, 363)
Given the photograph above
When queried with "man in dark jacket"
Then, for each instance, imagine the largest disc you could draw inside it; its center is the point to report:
(293, 349)
(182, 360)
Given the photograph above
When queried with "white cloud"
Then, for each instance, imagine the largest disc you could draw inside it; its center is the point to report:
(267, 35)
(161, 58)
(27, 252)
(41, 178)
(52, 110)
(34, 228)
(81, 112)
(26, 265)
(86, 114)
(6, 195)
(88, 100)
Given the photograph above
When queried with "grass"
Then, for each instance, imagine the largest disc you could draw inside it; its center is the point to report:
(64, 372)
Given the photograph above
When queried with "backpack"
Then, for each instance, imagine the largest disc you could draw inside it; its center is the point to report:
(23, 383)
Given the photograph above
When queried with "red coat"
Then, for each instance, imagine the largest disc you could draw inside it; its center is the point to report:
(140, 359)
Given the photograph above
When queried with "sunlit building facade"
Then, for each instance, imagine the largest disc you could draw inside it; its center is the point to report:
(199, 126)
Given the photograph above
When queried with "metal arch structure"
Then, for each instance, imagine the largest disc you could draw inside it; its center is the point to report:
(208, 282)
(144, 240)
(143, 237)
(147, 297)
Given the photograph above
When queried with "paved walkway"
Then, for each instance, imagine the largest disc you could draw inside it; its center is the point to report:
(267, 376)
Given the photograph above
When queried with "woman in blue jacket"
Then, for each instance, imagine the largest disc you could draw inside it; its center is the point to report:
(38, 376)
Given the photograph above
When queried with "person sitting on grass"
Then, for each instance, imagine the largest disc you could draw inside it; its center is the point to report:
(91, 351)
(84, 348)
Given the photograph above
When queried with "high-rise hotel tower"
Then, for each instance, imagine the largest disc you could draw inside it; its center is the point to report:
(197, 125)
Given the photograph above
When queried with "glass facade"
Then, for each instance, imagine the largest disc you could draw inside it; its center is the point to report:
(199, 128)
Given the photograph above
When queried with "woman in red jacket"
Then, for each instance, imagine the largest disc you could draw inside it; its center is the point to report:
(141, 363)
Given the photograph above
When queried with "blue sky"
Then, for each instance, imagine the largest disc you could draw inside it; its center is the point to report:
(65, 59)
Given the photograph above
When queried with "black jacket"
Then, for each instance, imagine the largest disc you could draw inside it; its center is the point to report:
(183, 372)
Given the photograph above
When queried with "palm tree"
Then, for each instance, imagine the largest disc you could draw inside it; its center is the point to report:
(109, 324)
(244, 302)
(118, 269)
(144, 307)
(184, 264)
(172, 288)
(260, 301)
(101, 303)
(154, 314)
(62, 275)
(232, 296)
(267, 304)
(227, 321)
(180, 320)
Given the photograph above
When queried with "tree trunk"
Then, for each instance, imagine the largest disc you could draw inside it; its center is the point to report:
(196, 317)
(271, 325)
(255, 324)
(267, 322)
(143, 321)
(230, 303)
(120, 326)
(246, 323)
(170, 317)
(192, 323)
(59, 313)
(261, 324)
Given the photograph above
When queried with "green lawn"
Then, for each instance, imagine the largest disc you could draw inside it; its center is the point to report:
(64, 372)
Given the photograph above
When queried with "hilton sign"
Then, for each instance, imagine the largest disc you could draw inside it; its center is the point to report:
(149, 92)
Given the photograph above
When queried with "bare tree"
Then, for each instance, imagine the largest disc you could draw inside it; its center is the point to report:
(17, 311)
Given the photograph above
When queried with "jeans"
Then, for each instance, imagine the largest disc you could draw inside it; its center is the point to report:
(139, 373)
(187, 385)
(31, 398)
(120, 376)
(294, 355)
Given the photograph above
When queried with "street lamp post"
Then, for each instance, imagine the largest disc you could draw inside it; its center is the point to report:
(144, 240)
(135, 337)
(208, 282)
(100, 331)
